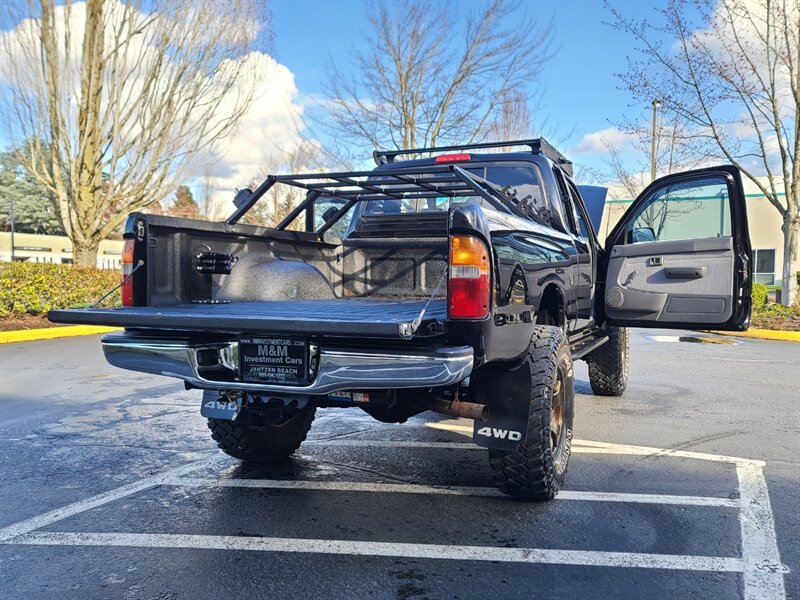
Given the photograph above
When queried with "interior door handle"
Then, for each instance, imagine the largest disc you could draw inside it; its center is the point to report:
(685, 272)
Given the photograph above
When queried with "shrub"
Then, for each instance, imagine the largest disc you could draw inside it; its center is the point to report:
(35, 288)
(777, 316)
(759, 295)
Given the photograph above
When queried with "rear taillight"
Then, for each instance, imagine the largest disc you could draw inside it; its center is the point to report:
(448, 158)
(468, 285)
(127, 270)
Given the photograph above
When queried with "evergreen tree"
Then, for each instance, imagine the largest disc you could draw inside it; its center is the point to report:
(35, 209)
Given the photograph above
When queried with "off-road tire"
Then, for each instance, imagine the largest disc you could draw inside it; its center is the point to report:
(608, 365)
(537, 468)
(271, 443)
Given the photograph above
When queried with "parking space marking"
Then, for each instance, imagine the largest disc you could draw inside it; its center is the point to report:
(390, 549)
(445, 490)
(763, 570)
(43, 520)
(763, 573)
(591, 447)
(393, 444)
(579, 447)
(760, 561)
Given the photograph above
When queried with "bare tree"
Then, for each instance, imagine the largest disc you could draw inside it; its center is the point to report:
(281, 199)
(736, 81)
(626, 183)
(115, 99)
(433, 73)
(513, 120)
(213, 205)
(677, 146)
(677, 149)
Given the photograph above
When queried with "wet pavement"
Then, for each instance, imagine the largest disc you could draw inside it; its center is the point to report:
(688, 486)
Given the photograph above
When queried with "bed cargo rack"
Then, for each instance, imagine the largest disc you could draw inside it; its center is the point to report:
(536, 145)
(434, 181)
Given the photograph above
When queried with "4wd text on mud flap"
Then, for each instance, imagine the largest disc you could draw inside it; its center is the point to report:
(502, 434)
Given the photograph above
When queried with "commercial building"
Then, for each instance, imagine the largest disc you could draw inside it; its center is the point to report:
(29, 247)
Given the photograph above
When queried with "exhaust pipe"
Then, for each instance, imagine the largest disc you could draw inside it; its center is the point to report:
(456, 408)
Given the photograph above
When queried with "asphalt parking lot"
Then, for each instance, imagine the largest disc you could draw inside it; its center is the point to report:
(687, 487)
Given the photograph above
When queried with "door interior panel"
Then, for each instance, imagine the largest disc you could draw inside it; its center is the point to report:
(682, 281)
(680, 256)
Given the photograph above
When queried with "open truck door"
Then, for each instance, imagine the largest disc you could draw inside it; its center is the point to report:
(680, 256)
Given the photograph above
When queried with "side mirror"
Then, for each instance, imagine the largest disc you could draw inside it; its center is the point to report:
(242, 195)
(641, 234)
(330, 213)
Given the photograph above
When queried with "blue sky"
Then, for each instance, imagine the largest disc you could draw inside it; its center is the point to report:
(580, 95)
(581, 92)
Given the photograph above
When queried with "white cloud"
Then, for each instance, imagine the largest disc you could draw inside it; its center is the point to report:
(596, 142)
(269, 130)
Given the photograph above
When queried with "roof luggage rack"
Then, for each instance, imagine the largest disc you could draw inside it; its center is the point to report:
(537, 146)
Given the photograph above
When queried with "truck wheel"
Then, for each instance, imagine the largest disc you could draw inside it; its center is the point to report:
(536, 469)
(262, 440)
(608, 365)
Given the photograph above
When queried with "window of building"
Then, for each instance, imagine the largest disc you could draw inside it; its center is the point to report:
(764, 266)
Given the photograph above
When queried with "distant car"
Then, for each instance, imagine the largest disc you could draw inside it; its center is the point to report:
(464, 283)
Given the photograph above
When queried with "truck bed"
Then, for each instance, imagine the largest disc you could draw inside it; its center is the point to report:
(363, 317)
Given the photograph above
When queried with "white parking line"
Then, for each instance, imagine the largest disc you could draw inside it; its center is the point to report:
(763, 570)
(390, 549)
(394, 444)
(48, 518)
(760, 562)
(445, 490)
(579, 447)
(763, 573)
(589, 447)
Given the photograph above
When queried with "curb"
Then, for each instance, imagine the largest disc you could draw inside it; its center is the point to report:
(762, 334)
(49, 333)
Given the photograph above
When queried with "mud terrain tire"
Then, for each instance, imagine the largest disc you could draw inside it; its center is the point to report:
(537, 468)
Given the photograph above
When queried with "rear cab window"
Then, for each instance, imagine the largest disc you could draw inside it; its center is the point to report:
(520, 177)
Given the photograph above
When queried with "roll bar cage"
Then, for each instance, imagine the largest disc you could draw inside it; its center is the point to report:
(433, 181)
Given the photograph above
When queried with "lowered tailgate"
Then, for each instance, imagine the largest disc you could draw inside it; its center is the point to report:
(362, 317)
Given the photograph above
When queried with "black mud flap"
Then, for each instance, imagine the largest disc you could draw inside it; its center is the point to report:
(507, 394)
(217, 406)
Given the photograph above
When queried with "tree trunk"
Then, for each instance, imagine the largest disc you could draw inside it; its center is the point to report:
(84, 252)
(791, 259)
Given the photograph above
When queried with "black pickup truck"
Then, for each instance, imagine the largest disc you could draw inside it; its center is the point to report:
(465, 283)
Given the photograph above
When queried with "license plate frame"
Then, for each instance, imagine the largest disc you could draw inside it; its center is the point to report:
(272, 359)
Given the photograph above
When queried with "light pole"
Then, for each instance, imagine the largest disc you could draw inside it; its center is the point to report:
(656, 104)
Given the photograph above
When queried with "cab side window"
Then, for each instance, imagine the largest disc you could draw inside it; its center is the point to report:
(683, 211)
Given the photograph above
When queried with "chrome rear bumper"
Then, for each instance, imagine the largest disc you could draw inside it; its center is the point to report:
(338, 369)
